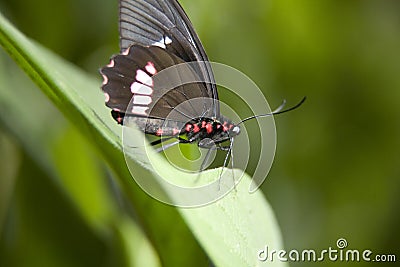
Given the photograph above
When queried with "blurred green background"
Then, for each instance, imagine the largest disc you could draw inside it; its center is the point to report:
(337, 168)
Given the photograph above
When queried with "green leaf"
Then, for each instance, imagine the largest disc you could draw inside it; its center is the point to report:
(236, 228)
(61, 202)
(231, 230)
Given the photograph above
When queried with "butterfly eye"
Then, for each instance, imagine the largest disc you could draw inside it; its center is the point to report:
(235, 130)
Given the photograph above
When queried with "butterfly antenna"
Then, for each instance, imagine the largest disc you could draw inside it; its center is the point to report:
(277, 111)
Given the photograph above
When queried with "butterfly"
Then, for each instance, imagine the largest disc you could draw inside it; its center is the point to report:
(156, 35)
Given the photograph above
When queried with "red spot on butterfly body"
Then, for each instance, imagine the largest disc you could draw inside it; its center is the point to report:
(175, 131)
(188, 128)
(159, 132)
(196, 128)
(224, 127)
(209, 128)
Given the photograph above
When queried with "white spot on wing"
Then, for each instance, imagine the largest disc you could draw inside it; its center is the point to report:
(159, 44)
(141, 100)
(144, 78)
(105, 79)
(167, 40)
(164, 41)
(139, 110)
(150, 68)
(107, 97)
(126, 51)
(138, 88)
(111, 64)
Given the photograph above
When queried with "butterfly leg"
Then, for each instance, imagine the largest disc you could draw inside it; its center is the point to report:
(228, 153)
(206, 158)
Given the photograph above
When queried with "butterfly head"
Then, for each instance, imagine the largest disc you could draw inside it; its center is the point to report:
(234, 131)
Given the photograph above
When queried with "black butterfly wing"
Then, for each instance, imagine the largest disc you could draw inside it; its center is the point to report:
(148, 22)
(164, 23)
(137, 84)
